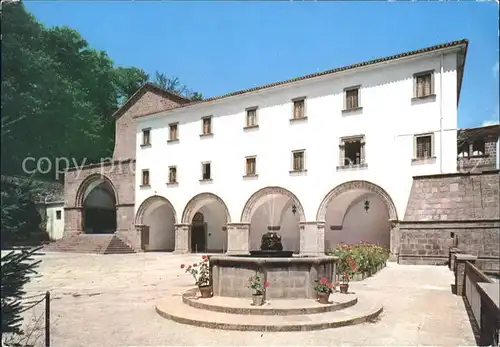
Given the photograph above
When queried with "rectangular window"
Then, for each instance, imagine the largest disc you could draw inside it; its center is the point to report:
(173, 135)
(58, 214)
(207, 125)
(298, 160)
(423, 145)
(423, 84)
(145, 177)
(172, 174)
(351, 98)
(299, 108)
(352, 151)
(206, 171)
(251, 119)
(251, 166)
(146, 137)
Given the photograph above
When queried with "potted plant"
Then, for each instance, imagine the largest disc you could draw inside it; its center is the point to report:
(259, 287)
(201, 273)
(349, 268)
(323, 290)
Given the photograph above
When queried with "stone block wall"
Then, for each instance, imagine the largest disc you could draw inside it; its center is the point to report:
(148, 100)
(121, 176)
(453, 197)
(454, 210)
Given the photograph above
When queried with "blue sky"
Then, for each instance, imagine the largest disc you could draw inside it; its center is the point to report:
(219, 47)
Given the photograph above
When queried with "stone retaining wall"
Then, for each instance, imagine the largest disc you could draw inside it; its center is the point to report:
(453, 210)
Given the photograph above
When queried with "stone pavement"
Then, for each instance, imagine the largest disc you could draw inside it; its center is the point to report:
(109, 300)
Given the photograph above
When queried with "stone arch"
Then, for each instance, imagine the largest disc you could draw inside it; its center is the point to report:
(87, 183)
(139, 216)
(357, 185)
(259, 196)
(197, 202)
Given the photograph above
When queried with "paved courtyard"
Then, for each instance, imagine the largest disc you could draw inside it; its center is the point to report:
(108, 300)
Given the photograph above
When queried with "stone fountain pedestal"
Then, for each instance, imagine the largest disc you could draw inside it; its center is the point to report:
(292, 277)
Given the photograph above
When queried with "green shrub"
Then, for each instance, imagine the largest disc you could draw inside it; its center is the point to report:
(367, 256)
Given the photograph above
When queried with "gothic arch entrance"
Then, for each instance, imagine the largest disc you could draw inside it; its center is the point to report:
(98, 199)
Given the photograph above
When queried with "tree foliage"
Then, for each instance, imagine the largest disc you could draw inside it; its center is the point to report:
(20, 219)
(58, 93)
(17, 269)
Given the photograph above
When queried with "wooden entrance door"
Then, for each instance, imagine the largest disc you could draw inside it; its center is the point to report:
(198, 234)
(198, 240)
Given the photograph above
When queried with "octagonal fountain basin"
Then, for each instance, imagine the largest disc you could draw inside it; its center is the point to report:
(289, 277)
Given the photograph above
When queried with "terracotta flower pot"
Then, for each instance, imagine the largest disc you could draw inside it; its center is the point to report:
(206, 291)
(344, 288)
(323, 297)
(257, 299)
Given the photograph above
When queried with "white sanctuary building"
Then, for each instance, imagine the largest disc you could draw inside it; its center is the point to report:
(324, 158)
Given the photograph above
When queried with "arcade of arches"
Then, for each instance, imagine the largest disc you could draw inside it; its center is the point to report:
(353, 212)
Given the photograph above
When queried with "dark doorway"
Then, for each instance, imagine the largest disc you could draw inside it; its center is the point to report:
(198, 237)
(99, 210)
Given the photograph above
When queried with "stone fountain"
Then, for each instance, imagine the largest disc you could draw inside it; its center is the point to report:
(288, 300)
(290, 276)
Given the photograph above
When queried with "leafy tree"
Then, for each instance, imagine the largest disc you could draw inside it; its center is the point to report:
(20, 219)
(58, 93)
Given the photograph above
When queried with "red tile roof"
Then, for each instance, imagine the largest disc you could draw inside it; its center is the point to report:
(458, 43)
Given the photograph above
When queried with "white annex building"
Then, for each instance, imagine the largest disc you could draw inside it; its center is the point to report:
(325, 158)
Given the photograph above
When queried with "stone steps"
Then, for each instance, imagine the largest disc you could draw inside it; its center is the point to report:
(276, 315)
(281, 307)
(100, 244)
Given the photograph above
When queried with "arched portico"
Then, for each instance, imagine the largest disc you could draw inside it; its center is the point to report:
(156, 219)
(203, 227)
(359, 211)
(272, 208)
(97, 200)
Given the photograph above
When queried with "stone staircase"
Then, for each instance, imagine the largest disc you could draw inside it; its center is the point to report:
(85, 243)
(228, 313)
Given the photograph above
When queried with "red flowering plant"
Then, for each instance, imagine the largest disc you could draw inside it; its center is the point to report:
(324, 286)
(347, 269)
(257, 285)
(200, 272)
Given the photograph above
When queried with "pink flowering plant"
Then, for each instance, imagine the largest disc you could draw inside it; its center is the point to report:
(200, 272)
(257, 284)
(324, 286)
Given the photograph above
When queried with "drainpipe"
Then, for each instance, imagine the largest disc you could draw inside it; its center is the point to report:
(441, 70)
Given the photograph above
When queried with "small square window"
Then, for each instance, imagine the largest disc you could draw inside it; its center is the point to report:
(299, 108)
(423, 147)
(352, 98)
(206, 173)
(173, 134)
(207, 126)
(251, 166)
(298, 160)
(58, 214)
(423, 84)
(251, 118)
(146, 137)
(145, 177)
(172, 174)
